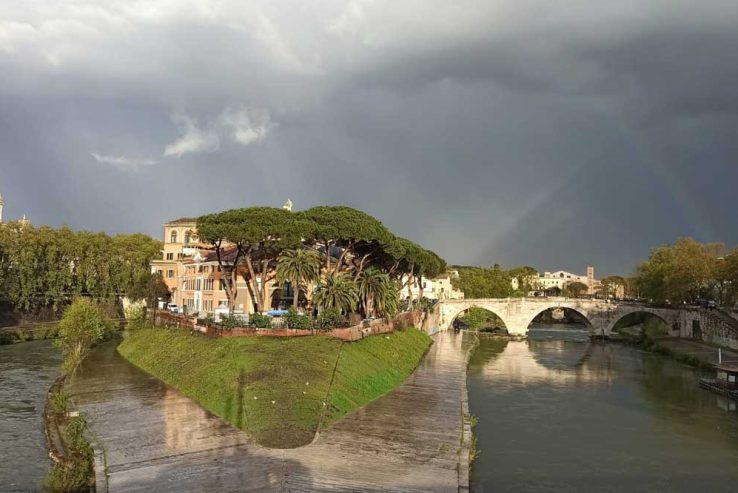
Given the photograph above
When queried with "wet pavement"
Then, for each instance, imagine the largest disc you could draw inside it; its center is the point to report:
(153, 438)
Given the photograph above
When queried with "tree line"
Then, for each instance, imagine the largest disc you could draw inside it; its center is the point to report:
(687, 271)
(357, 263)
(43, 269)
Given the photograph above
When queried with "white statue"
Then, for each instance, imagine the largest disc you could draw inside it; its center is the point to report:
(287, 205)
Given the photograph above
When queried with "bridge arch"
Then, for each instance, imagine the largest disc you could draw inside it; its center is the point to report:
(466, 310)
(583, 316)
(668, 320)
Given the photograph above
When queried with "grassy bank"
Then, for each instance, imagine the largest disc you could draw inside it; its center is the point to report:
(277, 389)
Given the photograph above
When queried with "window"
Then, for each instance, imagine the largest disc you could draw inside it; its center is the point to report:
(170, 274)
(170, 256)
(223, 303)
(173, 237)
(160, 272)
(198, 285)
(209, 284)
(188, 237)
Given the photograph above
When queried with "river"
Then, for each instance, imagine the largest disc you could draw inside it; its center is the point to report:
(568, 416)
(27, 370)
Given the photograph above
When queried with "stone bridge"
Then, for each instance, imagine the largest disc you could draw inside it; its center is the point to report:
(600, 315)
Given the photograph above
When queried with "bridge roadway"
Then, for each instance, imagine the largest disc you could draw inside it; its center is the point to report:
(150, 437)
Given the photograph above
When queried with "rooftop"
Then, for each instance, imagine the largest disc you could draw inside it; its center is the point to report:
(182, 220)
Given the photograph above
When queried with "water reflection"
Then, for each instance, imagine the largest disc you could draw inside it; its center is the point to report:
(573, 416)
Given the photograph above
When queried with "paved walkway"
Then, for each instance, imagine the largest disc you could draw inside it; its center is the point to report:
(156, 439)
(704, 352)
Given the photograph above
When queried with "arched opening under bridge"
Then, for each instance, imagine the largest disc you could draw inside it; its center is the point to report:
(638, 324)
(560, 323)
(479, 319)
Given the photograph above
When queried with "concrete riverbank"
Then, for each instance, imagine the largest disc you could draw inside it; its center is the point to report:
(705, 354)
(152, 438)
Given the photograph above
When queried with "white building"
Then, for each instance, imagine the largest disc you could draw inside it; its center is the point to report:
(560, 278)
(439, 288)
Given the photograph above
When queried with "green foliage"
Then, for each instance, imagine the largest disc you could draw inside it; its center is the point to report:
(372, 367)
(136, 315)
(575, 289)
(231, 322)
(336, 290)
(297, 321)
(82, 326)
(299, 267)
(76, 473)
(261, 321)
(64, 478)
(378, 293)
(60, 402)
(478, 282)
(350, 241)
(477, 318)
(44, 268)
(329, 318)
(683, 272)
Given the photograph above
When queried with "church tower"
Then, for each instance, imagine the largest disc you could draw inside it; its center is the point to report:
(2, 203)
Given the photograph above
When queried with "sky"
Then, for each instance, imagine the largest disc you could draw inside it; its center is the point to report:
(551, 134)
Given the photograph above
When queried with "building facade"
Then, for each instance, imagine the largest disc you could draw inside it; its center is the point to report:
(439, 288)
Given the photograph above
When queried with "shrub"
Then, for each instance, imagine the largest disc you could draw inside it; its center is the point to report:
(329, 318)
(82, 326)
(261, 321)
(59, 402)
(68, 477)
(136, 315)
(230, 322)
(76, 473)
(296, 320)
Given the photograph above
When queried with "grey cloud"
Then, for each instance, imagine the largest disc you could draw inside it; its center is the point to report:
(491, 131)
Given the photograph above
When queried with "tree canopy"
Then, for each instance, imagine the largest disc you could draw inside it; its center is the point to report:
(46, 268)
(688, 270)
(347, 240)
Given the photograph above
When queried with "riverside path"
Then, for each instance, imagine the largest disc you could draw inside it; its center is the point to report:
(150, 437)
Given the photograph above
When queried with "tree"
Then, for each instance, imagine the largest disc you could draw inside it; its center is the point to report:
(299, 267)
(681, 272)
(355, 234)
(575, 289)
(378, 293)
(611, 284)
(82, 326)
(336, 290)
(479, 282)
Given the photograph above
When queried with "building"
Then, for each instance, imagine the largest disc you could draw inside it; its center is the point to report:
(439, 288)
(193, 275)
(553, 281)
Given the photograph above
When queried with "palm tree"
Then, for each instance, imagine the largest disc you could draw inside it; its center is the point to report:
(374, 286)
(298, 267)
(337, 290)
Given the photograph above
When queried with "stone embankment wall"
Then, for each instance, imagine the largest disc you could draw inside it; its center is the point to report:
(711, 326)
(355, 333)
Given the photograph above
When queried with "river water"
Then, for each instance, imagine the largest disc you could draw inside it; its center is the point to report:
(578, 416)
(27, 370)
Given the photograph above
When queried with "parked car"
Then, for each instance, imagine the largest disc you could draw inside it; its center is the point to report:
(173, 308)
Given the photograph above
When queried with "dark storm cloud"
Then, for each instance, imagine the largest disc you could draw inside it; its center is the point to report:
(489, 131)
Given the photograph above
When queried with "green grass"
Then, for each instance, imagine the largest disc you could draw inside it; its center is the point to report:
(372, 367)
(275, 388)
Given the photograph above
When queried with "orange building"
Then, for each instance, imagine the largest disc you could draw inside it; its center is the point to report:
(193, 275)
